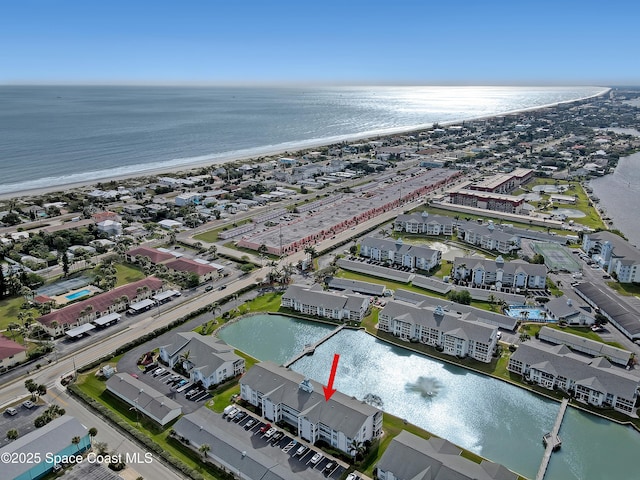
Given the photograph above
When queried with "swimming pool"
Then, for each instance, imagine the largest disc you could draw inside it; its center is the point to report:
(534, 314)
(78, 294)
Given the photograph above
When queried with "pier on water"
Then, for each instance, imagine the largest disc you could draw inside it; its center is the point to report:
(310, 349)
(552, 441)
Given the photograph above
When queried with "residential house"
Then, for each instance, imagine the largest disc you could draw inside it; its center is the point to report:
(479, 272)
(396, 252)
(409, 457)
(564, 309)
(449, 333)
(283, 395)
(110, 227)
(207, 359)
(59, 321)
(591, 381)
(143, 398)
(345, 306)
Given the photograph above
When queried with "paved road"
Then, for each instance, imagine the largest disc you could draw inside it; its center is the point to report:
(116, 442)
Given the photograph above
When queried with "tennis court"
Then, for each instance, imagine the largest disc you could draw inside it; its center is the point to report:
(63, 286)
(557, 257)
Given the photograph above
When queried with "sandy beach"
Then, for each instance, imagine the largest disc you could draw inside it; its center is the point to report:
(255, 154)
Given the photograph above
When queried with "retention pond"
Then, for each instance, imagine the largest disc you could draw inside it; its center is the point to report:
(497, 420)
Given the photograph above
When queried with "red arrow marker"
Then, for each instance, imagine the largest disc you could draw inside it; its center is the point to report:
(329, 390)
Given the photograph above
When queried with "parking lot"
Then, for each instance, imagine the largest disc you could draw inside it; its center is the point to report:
(301, 457)
(174, 386)
(22, 421)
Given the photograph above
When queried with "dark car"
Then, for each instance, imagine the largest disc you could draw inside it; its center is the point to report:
(222, 287)
(208, 288)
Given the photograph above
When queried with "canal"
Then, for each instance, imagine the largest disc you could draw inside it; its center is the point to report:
(497, 420)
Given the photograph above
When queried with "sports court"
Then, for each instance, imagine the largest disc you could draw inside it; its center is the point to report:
(557, 257)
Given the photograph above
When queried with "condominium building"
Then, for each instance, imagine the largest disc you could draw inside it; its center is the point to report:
(398, 253)
(483, 273)
(409, 457)
(593, 381)
(488, 237)
(460, 336)
(615, 254)
(320, 303)
(424, 223)
(207, 359)
(286, 396)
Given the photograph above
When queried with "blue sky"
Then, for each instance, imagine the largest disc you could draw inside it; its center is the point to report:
(352, 42)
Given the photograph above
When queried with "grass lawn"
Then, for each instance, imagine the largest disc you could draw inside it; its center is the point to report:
(627, 289)
(584, 332)
(211, 236)
(223, 399)
(269, 302)
(95, 387)
(127, 273)
(395, 285)
(9, 309)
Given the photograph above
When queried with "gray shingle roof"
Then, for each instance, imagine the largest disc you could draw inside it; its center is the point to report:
(449, 323)
(612, 305)
(206, 353)
(147, 399)
(410, 457)
(561, 362)
(201, 427)
(281, 386)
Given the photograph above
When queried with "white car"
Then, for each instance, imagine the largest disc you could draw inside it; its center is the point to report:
(270, 432)
(316, 458)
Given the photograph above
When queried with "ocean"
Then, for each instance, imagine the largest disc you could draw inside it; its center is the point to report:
(57, 135)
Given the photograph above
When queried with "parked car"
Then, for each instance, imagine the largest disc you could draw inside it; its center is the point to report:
(250, 423)
(11, 411)
(277, 436)
(239, 416)
(353, 476)
(158, 371)
(301, 450)
(329, 466)
(270, 432)
(265, 428)
(316, 458)
(28, 404)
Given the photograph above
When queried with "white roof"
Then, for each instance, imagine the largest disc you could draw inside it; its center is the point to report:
(82, 329)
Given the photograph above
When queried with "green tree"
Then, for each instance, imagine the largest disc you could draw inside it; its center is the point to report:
(65, 264)
(32, 387)
(204, 448)
(76, 441)
(93, 431)
(12, 434)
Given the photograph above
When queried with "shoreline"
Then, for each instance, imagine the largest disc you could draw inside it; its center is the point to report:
(255, 153)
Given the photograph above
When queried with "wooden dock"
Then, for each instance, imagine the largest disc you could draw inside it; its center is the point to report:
(310, 349)
(552, 440)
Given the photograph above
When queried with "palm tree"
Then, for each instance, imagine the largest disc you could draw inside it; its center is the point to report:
(76, 441)
(357, 448)
(204, 448)
(384, 232)
(311, 252)
(93, 431)
(13, 327)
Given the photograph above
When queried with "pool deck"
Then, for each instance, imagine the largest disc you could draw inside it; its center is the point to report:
(63, 300)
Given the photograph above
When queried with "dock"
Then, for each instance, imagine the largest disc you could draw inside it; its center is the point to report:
(310, 349)
(552, 441)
